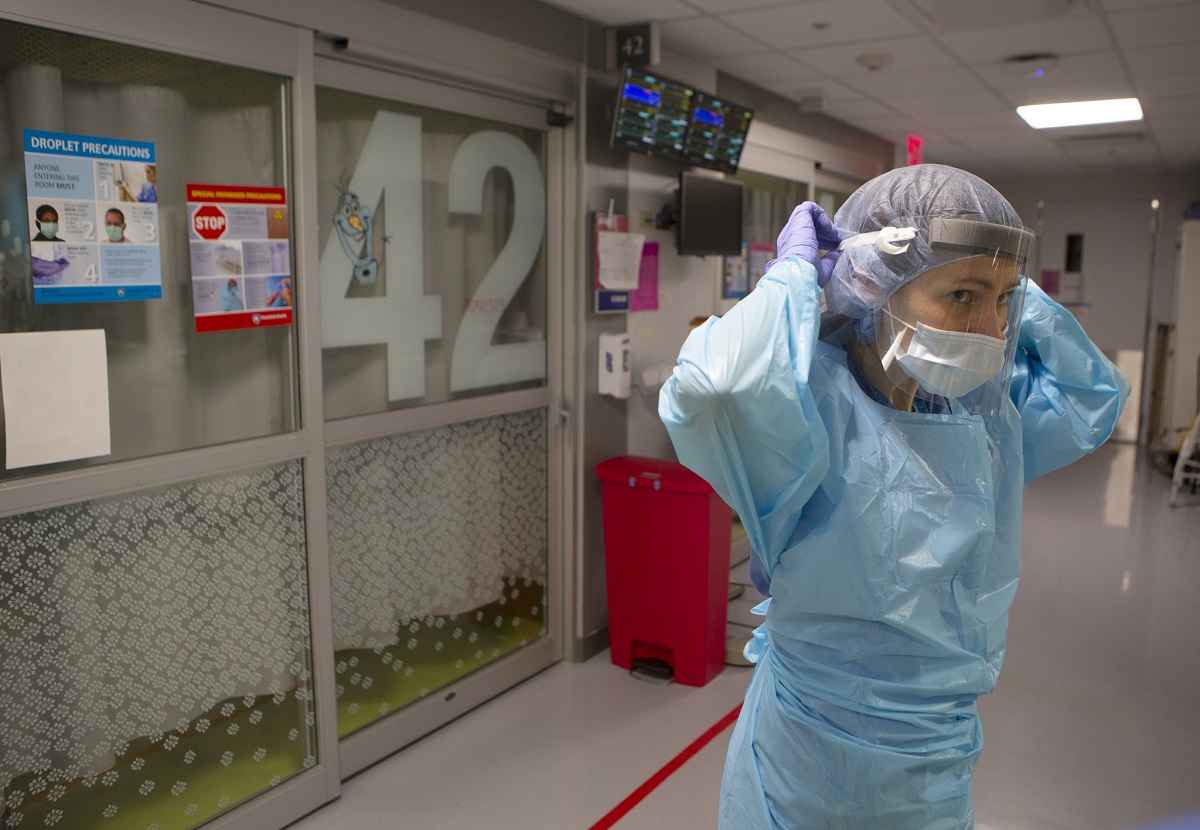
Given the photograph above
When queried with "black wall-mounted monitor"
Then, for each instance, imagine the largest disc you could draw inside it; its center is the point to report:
(652, 114)
(708, 216)
(716, 133)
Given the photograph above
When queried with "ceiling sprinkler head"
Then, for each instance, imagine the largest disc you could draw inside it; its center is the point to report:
(874, 62)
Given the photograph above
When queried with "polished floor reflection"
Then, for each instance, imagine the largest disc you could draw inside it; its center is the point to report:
(1095, 724)
(1096, 720)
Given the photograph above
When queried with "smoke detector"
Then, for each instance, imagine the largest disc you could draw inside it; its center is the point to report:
(874, 62)
(1031, 66)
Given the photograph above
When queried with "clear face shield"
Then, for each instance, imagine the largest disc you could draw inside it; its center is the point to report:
(950, 333)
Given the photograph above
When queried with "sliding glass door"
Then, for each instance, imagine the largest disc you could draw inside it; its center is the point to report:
(436, 322)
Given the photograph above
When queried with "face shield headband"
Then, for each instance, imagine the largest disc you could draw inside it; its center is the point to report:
(966, 235)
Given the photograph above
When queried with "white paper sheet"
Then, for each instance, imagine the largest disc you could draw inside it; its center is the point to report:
(55, 387)
(620, 259)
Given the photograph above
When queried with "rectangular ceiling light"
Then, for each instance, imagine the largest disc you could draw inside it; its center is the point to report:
(1045, 116)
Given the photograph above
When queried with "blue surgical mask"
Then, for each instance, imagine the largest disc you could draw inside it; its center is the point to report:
(114, 232)
(49, 229)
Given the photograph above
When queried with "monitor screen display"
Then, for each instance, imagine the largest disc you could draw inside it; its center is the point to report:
(709, 216)
(652, 114)
(716, 133)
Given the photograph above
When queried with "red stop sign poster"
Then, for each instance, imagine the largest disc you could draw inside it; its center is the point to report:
(209, 222)
(240, 247)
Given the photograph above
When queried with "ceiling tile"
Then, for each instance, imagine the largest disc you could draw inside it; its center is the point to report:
(1180, 146)
(921, 103)
(1165, 60)
(891, 127)
(1003, 118)
(965, 113)
(1165, 86)
(1158, 27)
(827, 89)
(766, 67)
(950, 154)
(1183, 162)
(923, 82)
(835, 91)
(1118, 5)
(1078, 33)
(792, 26)
(1187, 107)
(1052, 163)
(719, 6)
(1014, 141)
(908, 53)
(1178, 123)
(619, 12)
(1148, 156)
(707, 37)
(847, 109)
(1071, 69)
(1062, 93)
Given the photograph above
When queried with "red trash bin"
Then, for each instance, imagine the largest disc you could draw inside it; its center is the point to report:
(666, 550)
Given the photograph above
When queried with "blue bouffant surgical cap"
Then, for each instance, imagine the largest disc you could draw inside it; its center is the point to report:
(955, 214)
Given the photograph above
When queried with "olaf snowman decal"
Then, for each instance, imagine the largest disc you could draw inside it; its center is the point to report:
(352, 221)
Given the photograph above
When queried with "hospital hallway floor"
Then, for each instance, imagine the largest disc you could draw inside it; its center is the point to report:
(1095, 722)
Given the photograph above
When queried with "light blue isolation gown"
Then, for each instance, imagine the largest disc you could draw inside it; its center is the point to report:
(892, 542)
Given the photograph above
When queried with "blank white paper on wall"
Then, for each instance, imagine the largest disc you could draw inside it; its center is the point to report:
(55, 386)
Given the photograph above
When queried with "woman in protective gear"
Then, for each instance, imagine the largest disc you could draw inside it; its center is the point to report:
(872, 415)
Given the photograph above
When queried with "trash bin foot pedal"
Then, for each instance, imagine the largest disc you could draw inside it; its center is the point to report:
(653, 670)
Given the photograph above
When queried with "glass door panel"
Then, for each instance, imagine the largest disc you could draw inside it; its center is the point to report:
(433, 266)
(155, 640)
(439, 549)
(170, 388)
(155, 653)
(433, 298)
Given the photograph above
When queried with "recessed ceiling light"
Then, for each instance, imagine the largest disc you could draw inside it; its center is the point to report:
(1076, 113)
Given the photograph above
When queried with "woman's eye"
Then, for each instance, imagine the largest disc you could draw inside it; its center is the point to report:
(962, 296)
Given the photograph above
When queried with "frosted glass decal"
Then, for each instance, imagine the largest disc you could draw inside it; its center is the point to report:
(433, 262)
(476, 362)
(155, 653)
(404, 317)
(438, 545)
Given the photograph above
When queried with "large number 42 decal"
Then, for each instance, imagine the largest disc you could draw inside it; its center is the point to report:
(405, 317)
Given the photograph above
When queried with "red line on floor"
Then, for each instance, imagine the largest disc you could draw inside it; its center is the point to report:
(634, 798)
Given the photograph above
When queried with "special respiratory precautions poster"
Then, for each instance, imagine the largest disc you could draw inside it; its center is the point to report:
(93, 218)
(241, 258)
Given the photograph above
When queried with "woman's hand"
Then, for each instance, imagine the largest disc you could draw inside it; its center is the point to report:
(807, 232)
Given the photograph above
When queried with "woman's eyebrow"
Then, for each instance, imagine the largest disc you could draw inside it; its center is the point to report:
(985, 282)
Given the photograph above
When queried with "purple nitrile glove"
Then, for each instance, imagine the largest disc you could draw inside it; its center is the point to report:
(807, 232)
(48, 268)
